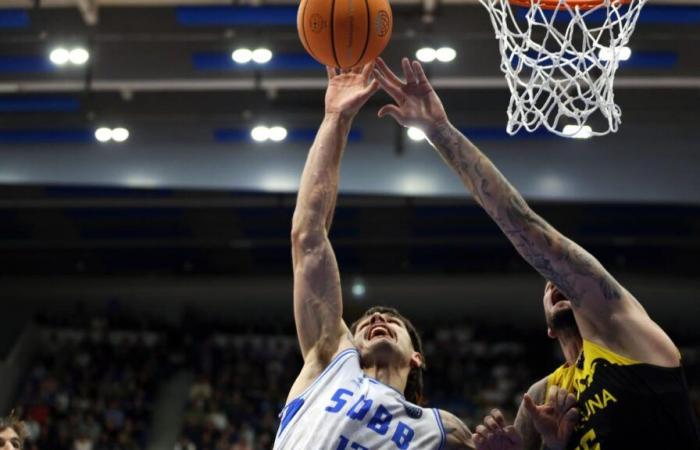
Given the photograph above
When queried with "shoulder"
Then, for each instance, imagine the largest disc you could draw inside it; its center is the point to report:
(538, 389)
(458, 435)
(316, 367)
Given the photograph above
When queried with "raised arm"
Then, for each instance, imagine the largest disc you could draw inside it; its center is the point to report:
(604, 310)
(317, 295)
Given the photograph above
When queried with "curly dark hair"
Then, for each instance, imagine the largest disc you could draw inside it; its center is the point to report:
(15, 424)
(414, 384)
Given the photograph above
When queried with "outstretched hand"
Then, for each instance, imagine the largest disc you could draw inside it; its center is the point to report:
(349, 90)
(493, 434)
(417, 104)
(555, 420)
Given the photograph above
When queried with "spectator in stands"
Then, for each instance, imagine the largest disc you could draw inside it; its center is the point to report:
(12, 433)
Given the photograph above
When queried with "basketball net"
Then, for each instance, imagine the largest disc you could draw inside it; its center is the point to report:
(559, 59)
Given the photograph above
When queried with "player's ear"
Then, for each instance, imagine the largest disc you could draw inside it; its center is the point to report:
(550, 333)
(416, 360)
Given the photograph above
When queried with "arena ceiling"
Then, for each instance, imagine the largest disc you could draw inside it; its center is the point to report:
(164, 70)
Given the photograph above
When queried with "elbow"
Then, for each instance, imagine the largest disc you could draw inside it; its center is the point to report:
(306, 237)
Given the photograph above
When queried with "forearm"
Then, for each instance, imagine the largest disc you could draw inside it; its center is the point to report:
(317, 297)
(575, 272)
(318, 188)
(489, 187)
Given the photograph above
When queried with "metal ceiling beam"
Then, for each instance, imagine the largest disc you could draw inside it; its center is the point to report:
(299, 84)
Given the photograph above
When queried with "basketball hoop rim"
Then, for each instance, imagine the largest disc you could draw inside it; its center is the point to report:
(562, 5)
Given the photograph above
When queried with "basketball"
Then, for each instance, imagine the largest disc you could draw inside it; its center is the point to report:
(344, 33)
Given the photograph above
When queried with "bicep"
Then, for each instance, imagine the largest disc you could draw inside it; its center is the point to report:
(317, 296)
(593, 292)
(605, 311)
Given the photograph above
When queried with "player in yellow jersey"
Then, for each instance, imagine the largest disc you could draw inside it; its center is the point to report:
(626, 374)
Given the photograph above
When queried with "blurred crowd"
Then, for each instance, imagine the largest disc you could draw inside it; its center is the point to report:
(93, 388)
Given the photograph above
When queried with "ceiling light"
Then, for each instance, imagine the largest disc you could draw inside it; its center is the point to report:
(578, 131)
(415, 134)
(262, 55)
(120, 134)
(103, 134)
(59, 56)
(242, 55)
(278, 134)
(358, 289)
(78, 56)
(426, 54)
(260, 133)
(445, 54)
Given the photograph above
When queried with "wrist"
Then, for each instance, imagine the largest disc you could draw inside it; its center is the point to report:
(437, 127)
(338, 118)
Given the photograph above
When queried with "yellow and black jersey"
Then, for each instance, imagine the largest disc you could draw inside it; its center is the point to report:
(626, 404)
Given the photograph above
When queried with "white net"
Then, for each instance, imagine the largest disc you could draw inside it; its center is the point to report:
(560, 63)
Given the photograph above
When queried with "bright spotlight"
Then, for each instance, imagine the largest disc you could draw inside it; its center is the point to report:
(120, 134)
(103, 134)
(426, 54)
(278, 134)
(578, 132)
(415, 134)
(358, 289)
(262, 55)
(242, 55)
(78, 56)
(59, 56)
(445, 54)
(260, 134)
(607, 53)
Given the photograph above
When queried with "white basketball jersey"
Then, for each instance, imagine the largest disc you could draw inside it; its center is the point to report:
(344, 409)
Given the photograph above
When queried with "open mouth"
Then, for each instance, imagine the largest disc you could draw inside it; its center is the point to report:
(378, 331)
(557, 296)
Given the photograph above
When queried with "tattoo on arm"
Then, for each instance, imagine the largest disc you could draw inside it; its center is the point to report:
(573, 270)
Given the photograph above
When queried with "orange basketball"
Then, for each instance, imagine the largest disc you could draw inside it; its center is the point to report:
(344, 33)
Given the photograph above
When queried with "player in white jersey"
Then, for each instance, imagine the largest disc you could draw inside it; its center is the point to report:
(349, 394)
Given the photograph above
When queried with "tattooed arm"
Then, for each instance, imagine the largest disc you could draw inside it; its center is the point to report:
(604, 310)
(318, 306)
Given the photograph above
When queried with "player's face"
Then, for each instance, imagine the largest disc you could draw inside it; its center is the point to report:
(557, 308)
(9, 440)
(382, 335)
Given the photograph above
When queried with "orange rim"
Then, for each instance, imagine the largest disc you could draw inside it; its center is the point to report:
(554, 4)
